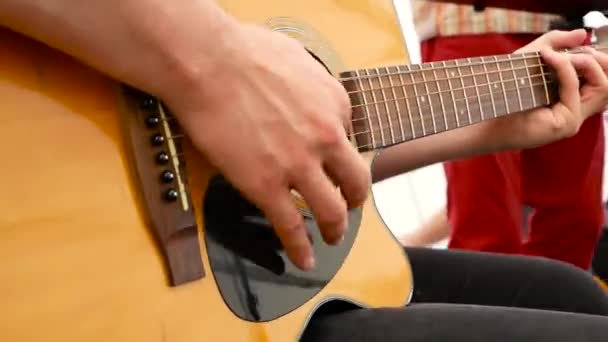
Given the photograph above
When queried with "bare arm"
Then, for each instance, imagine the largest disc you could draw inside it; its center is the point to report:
(224, 79)
(456, 144)
(137, 41)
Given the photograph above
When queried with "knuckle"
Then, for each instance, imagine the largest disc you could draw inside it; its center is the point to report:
(333, 216)
(602, 59)
(290, 227)
(563, 60)
(343, 102)
(330, 135)
(269, 177)
(360, 187)
(571, 131)
(570, 127)
(545, 39)
(358, 195)
(301, 166)
(552, 35)
(604, 90)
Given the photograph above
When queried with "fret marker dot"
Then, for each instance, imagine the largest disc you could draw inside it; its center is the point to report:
(453, 74)
(462, 111)
(495, 86)
(422, 99)
(522, 81)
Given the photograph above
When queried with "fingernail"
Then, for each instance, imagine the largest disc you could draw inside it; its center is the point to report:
(340, 237)
(309, 263)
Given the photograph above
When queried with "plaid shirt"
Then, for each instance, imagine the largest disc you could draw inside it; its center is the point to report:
(434, 19)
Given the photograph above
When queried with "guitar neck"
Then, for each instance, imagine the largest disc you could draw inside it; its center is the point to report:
(395, 104)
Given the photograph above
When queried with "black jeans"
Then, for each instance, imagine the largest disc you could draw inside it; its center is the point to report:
(472, 296)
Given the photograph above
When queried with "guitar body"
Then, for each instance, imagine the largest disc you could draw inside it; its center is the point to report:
(78, 258)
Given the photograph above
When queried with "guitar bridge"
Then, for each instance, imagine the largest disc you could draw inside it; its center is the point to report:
(156, 152)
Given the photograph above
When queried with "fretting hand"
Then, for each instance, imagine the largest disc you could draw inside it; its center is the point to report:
(564, 118)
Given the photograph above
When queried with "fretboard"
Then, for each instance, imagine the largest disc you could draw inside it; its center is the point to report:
(398, 103)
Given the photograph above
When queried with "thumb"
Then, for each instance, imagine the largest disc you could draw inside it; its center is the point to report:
(558, 40)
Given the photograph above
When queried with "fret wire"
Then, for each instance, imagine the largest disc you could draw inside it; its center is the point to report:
(430, 101)
(504, 92)
(521, 105)
(388, 116)
(451, 91)
(542, 72)
(458, 78)
(466, 87)
(456, 100)
(476, 89)
(366, 111)
(517, 56)
(407, 104)
(438, 85)
(485, 69)
(376, 108)
(381, 128)
(530, 81)
(465, 93)
(417, 101)
(397, 105)
(421, 118)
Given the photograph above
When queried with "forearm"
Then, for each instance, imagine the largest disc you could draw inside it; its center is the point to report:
(147, 43)
(455, 144)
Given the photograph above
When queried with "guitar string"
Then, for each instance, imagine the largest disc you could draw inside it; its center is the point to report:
(456, 98)
(450, 78)
(439, 93)
(464, 63)
(445, 67)
(481, 86)
(456, 77)
(419, 119)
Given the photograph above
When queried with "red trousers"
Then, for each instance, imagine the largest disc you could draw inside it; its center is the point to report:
(562, 182)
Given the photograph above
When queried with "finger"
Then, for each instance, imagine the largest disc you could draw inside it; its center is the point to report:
(600, 57)
(589, 69)
(558, 40)
(325, 202)
(566, 78)
(344, 105)
(351, 173)
(593, 93)
(289, 227)
(566, 39)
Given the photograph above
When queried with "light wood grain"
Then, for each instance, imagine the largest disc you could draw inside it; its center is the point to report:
(77, 260)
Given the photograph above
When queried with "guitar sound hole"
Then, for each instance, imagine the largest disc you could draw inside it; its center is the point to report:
(256, 279)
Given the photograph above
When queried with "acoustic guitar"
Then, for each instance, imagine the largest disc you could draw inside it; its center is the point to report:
(112, 228)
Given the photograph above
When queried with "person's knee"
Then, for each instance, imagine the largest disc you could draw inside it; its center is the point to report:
(576, 288)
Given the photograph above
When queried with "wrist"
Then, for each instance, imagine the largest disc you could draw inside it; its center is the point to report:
(498, 135)
(192, 47)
